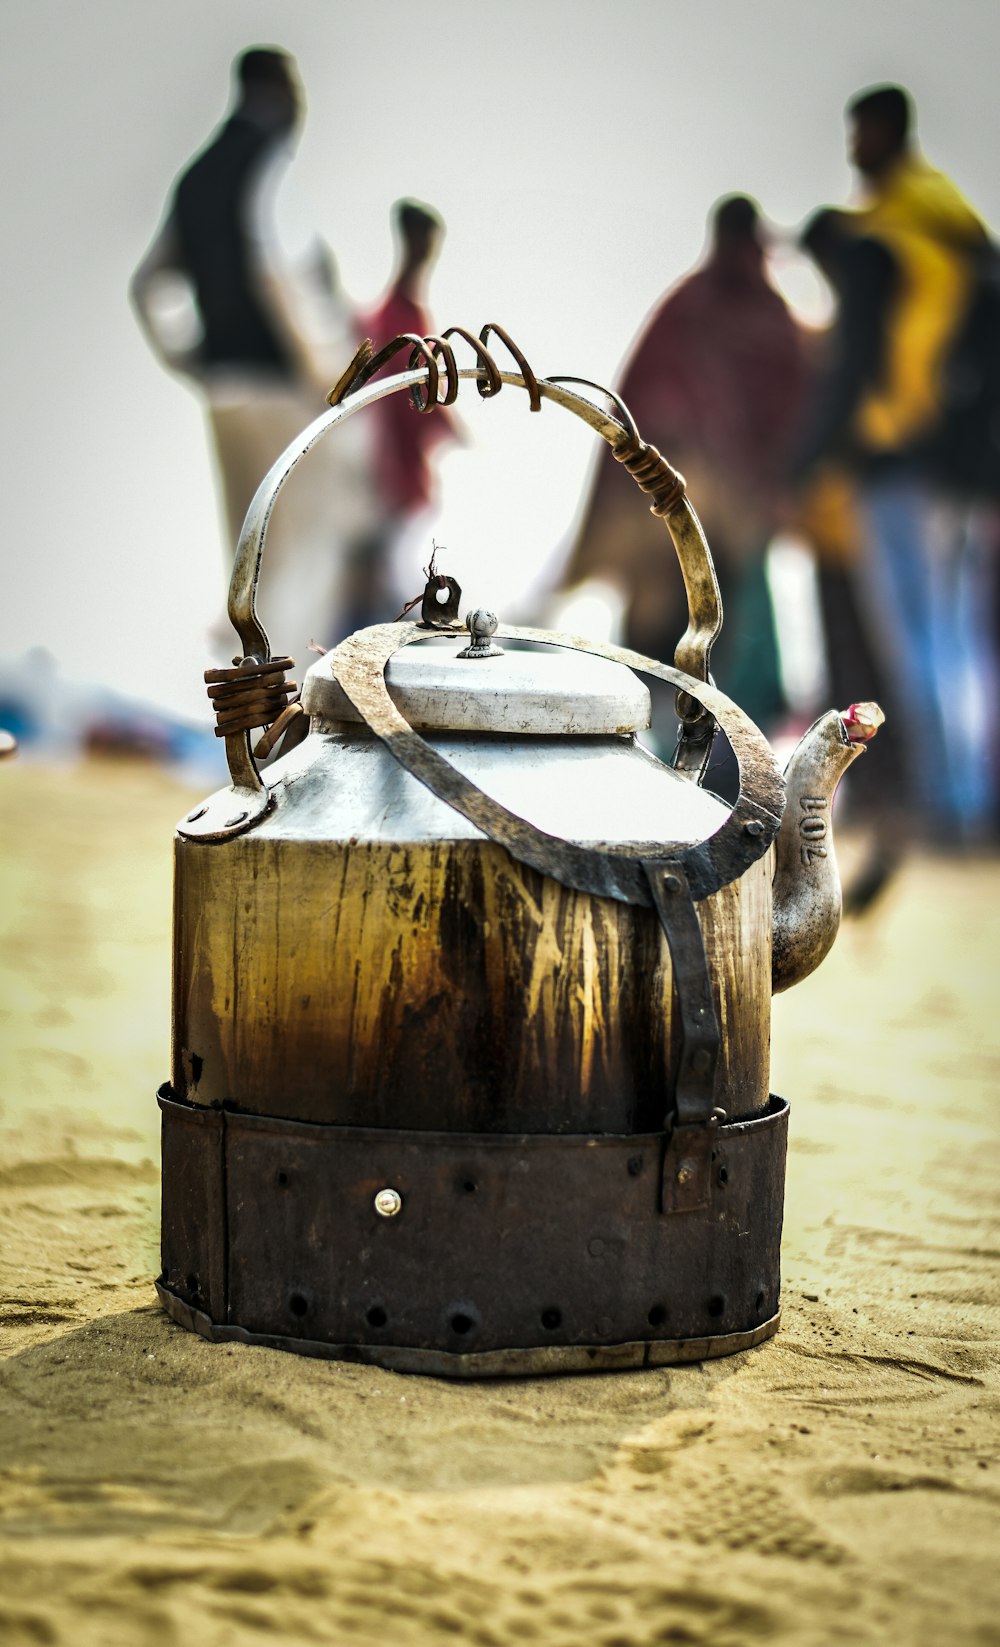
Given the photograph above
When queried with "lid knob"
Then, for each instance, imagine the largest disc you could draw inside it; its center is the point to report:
(481, 625)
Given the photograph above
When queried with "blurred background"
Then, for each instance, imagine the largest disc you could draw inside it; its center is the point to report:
(573, 151)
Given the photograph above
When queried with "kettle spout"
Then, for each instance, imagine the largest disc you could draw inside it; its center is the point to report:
(806, 894)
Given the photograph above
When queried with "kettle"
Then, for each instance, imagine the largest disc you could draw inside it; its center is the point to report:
(471, 1012)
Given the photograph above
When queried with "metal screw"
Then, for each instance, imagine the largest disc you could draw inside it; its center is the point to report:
(701, 1062)
(754, 827)
(199, 812)
(388, 1202)
(671, 883)
(685, 1172)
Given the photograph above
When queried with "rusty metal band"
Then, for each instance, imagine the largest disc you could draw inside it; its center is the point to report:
(621, 873)
(650, 471)
(504, 1247)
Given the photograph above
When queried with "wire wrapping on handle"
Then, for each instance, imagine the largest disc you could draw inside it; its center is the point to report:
(424, 351)
(441, 346)
(254, 693)
(652, 474)
(493, 382)
(530, 380)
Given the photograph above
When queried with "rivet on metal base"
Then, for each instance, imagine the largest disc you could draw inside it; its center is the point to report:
(388, 1202)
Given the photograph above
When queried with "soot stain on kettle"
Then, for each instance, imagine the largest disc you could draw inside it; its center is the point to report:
(460, 919)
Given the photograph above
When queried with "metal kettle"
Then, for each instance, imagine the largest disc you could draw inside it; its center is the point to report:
(472, 993)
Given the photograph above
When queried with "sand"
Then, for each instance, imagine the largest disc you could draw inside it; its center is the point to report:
(839, 1484)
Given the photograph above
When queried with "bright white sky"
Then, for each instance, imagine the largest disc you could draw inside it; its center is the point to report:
(574, 149)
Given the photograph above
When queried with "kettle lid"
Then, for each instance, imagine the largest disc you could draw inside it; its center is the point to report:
(517, 692)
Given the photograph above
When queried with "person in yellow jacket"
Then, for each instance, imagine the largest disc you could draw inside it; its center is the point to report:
(903, 266)
(934, 236)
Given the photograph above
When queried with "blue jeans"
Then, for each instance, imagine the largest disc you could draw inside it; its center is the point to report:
(929, 572)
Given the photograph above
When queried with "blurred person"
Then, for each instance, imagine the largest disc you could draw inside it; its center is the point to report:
(904, 270)
(715, 380)
(404, 439)
(825, 509)
(270, 334)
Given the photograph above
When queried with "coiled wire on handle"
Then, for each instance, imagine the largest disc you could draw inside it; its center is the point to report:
(254, 693)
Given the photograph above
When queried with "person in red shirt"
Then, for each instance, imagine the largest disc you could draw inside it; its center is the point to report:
(404, 439)
(715, 380)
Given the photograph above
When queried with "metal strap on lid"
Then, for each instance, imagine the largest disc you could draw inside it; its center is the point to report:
(359, 665)
(669, 878)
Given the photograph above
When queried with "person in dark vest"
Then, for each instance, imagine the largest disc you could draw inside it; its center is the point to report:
(263, 332)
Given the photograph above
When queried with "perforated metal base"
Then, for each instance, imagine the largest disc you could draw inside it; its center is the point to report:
(491, 1255)
(542, 1360)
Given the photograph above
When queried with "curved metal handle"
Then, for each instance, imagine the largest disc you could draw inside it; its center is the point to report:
(647, 467)
(697, 568)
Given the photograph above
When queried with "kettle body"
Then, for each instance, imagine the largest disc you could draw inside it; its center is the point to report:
(367, 957)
